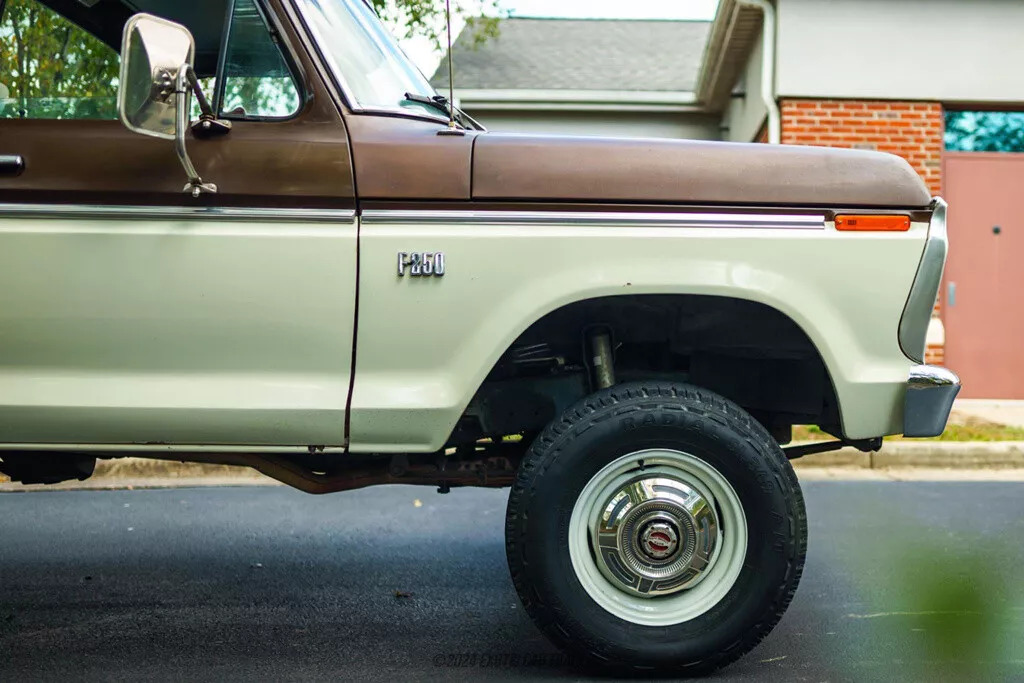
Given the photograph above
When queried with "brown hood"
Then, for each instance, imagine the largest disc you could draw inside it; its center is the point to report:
(512, 167)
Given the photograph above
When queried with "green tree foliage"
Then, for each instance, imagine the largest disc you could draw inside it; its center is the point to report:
(51, 68)
(985, 131)
(425, 18)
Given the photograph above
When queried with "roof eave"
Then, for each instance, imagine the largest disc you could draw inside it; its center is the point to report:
(733, 33)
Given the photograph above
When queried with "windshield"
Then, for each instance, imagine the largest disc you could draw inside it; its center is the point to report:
(373, 70)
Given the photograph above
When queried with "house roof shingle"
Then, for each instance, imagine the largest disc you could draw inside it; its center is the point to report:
(580, 54)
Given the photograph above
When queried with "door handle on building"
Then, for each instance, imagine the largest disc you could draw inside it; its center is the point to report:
(951, 294)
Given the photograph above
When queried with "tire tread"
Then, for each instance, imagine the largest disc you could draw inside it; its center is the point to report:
(543, 454)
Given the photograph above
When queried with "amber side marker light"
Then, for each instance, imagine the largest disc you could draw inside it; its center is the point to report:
(873, 223)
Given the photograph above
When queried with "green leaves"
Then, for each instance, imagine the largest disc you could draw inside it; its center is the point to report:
(985, 131)
(53, 69)
(426, 18)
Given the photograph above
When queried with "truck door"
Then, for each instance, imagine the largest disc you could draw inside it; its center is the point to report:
(132, 312)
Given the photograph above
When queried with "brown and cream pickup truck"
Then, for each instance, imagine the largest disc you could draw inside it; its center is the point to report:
(353, 283)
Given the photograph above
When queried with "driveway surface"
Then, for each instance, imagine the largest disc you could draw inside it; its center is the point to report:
(904, 580)
(1005, 412)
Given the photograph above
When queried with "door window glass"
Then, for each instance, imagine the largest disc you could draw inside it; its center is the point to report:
(257, 82)
(52, 69)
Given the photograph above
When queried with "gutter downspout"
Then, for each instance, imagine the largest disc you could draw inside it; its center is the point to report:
(768, 69)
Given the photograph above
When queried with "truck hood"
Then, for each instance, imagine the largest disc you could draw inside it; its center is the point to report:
(514, 167)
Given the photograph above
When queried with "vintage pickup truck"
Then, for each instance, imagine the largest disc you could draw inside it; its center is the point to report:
(359, 285)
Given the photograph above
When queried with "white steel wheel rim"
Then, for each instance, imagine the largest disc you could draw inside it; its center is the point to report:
(701, 593)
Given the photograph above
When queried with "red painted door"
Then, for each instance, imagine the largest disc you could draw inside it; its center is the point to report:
(982, 296)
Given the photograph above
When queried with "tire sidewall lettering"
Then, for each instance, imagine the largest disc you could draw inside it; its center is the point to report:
(711, 436)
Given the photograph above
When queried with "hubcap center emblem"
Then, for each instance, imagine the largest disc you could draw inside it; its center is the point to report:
(659, 540)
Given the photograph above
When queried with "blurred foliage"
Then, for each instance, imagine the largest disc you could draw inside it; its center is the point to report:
(425, 18)
(53, 69)
(956, 614)
(973, 429)
(258, 82)
(959, 428)
(984, 131)
(260, 96)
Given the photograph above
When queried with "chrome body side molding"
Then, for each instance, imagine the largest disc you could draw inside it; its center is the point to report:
(601, 218)
(918, 311)
(115, 212)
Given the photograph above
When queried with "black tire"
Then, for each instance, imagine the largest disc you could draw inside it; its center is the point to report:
(622, 420)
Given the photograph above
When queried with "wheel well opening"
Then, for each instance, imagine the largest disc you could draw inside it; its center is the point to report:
(746, 351)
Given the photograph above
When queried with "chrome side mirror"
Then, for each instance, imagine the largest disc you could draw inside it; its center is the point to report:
(156, 82)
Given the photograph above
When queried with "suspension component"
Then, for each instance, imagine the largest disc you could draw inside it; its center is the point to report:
(601, 359)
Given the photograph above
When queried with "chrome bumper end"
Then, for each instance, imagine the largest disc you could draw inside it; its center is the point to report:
(930, 394)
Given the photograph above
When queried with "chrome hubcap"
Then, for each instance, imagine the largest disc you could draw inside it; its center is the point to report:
(655, 535)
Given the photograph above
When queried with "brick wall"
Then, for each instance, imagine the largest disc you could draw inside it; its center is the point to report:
(913, 130)
(935, 354)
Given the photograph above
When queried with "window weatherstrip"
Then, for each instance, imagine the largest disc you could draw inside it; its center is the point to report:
(284, 49)
(222, 60)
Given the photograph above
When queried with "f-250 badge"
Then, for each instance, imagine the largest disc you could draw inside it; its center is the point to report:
(420, 263)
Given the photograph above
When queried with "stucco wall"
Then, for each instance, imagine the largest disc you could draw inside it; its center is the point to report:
(617, 124)
(944, 50)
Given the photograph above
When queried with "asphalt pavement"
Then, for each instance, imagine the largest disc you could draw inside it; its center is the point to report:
(904, 581)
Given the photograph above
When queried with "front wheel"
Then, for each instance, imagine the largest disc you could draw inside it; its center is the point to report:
(656, 527)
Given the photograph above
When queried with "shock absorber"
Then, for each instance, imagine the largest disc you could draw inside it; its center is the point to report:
(601, 360)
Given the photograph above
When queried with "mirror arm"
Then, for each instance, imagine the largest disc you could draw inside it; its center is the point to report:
(208, 124)
(182, 85)
(204, 104)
